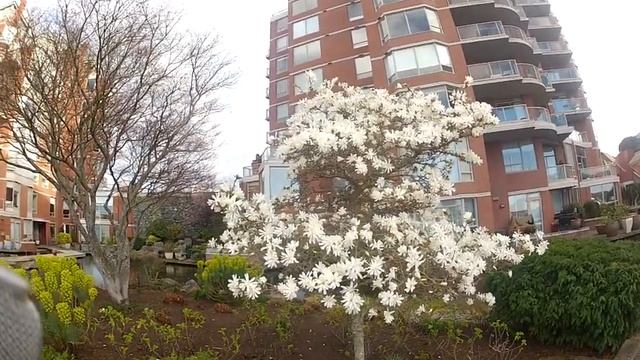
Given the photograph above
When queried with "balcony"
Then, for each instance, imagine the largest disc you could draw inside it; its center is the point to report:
(562, 176)
(580, 138)
(275, 135)
(556, 54)
(484, 42)
(535, 7)
(475, 11)
(507, 79)
(545, 28)
(598, 172)
(576, 106)
(247, 171)
(522, 122)
(566, 79)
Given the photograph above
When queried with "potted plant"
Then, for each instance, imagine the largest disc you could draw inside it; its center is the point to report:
(636, 222)
(168, 250)
(63, 240)
(601, 229)
(626, 219)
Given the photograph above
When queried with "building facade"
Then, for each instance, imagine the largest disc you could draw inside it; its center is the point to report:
(541, 157)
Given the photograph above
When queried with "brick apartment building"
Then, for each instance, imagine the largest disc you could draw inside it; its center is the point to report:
(542, 156)
(31, 209)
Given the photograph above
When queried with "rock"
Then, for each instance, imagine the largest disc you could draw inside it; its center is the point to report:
(190, 287)
(169, 283)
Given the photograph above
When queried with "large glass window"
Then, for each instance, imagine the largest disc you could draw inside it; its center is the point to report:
(306, 27)
(605, 193)
(581, 155)
(281, 44)
(279, 179)
(527, 205)
(409, 22)
(418, 60)
(282, 65)
(442, 92)
(359, 37)
(282, 88)
(355, 11)
(306, 52)
(363, 67)
(300, 6)
(12, 196)
(281, 24)
(282, 112)
(519, 157)
(461, 171)
(456, 209)
(303, 83)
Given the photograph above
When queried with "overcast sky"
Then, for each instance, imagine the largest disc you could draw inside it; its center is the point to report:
(602, 35)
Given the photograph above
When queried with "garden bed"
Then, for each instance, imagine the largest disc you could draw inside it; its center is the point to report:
(309, 332)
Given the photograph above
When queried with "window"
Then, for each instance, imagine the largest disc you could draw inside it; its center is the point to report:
(355, 11)
(279, 179)
(420, 60)
(281, 24)
(31, 200)
(15, 230)
(52, 206)
(12, 196)
(455, 210)
(305, 27)
(581, 155)
(303, 83)
(66, 213)
(306, 53)
(384, 2)
(101, 212)
(300, 6)
(363, 67)
(409, 22)
(461, 171)
(359, 37)
(282, 65)
(442, 92)
(282, 112)
(282, 88)
(519, 157)
(281, 44)
(605, 193)
(527, 205)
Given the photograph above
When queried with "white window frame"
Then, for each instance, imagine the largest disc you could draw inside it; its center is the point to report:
(306, 27)
(432, 19)
(353, 6)
(280, 47)
(307, 52)
(363, 66)
(519, 145)
(302, 84)
(359, 37)
(465, 169)
(602, 192)
(461, 203)
(441, 53)
(301, 6)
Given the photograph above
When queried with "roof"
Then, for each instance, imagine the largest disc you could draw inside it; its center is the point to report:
(280, 14)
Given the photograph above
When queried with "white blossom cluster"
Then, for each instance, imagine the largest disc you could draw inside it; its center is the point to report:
(379, 239)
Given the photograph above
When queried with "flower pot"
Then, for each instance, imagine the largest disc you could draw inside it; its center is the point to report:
(613, 229)
(168, 255)
(626, 225)
(601, 229)
(636, 223)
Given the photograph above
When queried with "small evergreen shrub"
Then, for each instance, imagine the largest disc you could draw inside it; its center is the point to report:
(591, 209)
(583, 293)
(213, 276)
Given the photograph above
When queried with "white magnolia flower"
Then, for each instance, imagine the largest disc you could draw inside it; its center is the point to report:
(372, 313)
(421, 310)
(410, 285)
(446, 298)
(289, 288)
(329, 301)
(388, 316)
(352, 301)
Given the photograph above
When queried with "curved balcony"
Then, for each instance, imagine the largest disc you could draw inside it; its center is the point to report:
(274, 136)
(605, 172)
(524, 122)
(535, 7)
(566, 79)
(555, 54)
(545, 28)
(475, 11)
(576, 107)
(493, 40)
(507, 79)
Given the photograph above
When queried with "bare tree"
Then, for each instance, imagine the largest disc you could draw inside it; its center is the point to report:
(109, 93)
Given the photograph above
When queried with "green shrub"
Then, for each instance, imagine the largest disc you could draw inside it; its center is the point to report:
(591, 209)
(615, 212)
(582, 293)
(138, 243)
(49, 353)
(63, 238)
(65, 296)
(213, 276)
(151, 240)
(165, 230)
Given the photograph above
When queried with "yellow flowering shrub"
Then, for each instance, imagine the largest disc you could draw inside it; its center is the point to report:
(65, 296)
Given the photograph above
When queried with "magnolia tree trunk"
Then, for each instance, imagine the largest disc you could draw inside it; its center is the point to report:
(357, 331)
(114, 265)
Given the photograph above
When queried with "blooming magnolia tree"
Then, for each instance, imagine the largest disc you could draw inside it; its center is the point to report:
(376, 238)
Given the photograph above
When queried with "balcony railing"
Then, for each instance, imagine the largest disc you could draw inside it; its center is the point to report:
(553, 47)
(516, 113)
(275, 135)
(598, 172)
(247, 171)
(464, 2)
(568, 106)
(503, 69)
(561, 173)
(580, 136)
(559, 120)
(513, 6)
(560, 75)
(543, 22)
(482, 30)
